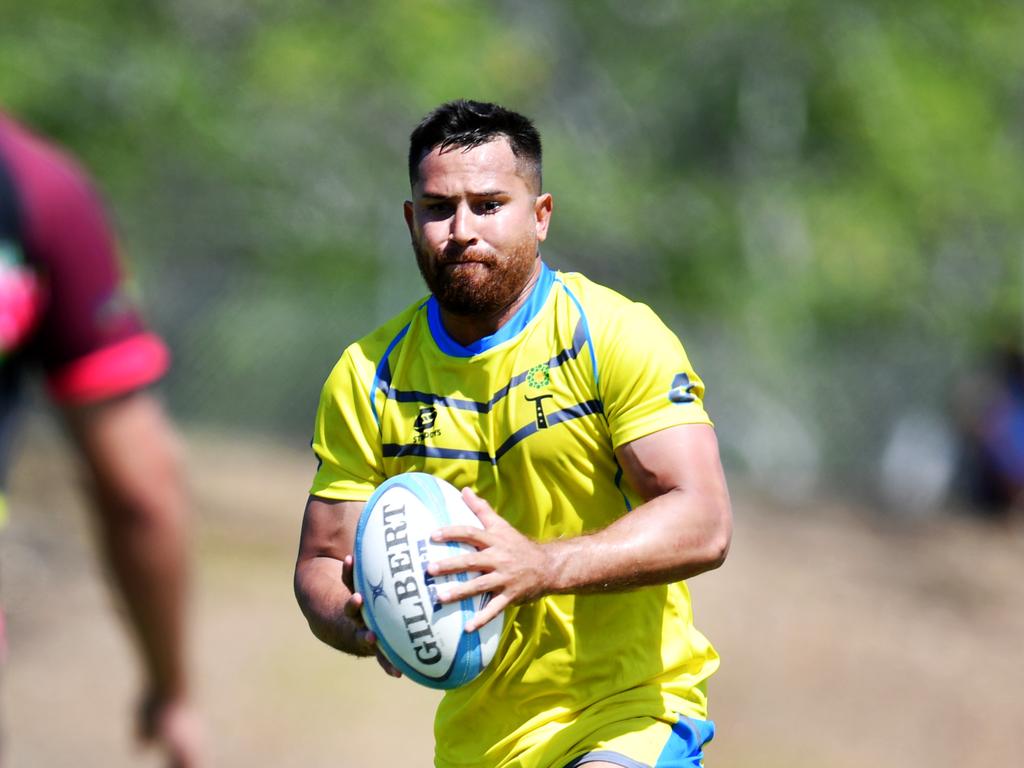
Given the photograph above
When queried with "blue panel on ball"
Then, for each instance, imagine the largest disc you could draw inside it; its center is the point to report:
(467, 657)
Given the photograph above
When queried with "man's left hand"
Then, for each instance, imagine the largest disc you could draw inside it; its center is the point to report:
(512, 567)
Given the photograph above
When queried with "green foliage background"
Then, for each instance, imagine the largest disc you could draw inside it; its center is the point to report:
(823, 198)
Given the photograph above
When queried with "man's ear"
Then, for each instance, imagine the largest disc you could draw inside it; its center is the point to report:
(409, 217)
(542, 212)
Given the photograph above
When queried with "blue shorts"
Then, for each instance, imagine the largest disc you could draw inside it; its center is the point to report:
(682, 748)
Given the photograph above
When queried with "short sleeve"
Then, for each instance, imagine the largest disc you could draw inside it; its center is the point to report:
(90, 339)
(645, 378)
(346, 439)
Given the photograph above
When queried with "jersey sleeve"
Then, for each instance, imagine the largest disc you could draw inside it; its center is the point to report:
(645, 378)
(346, 438)
(90, 340)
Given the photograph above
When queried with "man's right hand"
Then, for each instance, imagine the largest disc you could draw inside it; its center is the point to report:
(334, 611)
(365, 641)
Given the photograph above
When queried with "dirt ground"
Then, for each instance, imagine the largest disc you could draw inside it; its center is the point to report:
(845, 642)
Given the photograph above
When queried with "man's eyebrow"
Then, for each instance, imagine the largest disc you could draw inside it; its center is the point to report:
(485, 193)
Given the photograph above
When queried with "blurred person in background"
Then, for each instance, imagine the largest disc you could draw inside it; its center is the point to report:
(990, 416)
(576, 414)
(65, 311)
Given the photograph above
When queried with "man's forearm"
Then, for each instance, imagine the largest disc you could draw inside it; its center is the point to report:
(682, 530)
(677, 534)
(147, 557)
(138, 483)
(670, 538)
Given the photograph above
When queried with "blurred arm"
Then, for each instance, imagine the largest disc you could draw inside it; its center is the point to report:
(135, 463)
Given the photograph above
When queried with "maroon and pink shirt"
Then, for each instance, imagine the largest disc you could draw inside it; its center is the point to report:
(64, 309)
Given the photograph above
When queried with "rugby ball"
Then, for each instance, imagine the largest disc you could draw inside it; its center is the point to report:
(424, 639)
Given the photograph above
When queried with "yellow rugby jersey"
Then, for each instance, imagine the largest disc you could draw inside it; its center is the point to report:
(530, 418)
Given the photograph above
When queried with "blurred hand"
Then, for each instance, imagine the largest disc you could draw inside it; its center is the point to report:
(365, 640)
(172, 725)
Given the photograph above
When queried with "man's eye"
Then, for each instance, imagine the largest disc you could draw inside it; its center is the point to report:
(491, 206)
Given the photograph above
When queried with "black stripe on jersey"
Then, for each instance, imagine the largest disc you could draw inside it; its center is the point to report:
(577, 411)
(579, 338)
(566, 414)
(394, 450)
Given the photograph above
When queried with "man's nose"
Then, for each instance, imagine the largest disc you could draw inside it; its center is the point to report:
(463, 230)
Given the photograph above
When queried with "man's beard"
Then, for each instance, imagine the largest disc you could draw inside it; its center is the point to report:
(486, 285)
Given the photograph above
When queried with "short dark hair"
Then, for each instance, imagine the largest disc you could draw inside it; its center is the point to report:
(468, 124)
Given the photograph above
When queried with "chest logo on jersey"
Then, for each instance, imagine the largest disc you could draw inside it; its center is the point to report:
(538, 401)
(539, 376)
(425, 424)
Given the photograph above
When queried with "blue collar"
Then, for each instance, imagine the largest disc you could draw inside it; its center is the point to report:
(515, 324)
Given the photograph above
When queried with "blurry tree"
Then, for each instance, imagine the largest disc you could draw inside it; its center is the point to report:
(823, 197)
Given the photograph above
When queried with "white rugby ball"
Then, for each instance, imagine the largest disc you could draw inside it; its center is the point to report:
(424, 639)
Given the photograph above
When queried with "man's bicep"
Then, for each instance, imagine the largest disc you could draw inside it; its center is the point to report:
(683, 457)
(132, 452)
(329, 528)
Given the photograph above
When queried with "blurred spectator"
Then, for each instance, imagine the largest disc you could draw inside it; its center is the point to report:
(64, 311)
(990, 412)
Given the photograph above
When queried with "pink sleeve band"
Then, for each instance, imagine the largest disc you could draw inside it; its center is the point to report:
(111, 371)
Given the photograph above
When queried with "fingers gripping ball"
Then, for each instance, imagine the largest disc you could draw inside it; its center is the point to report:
(424, 639)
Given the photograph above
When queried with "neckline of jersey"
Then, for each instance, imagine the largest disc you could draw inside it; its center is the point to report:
(514, 326)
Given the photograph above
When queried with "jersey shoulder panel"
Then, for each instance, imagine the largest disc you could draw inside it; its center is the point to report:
(371, 348)
(591, 293)
(610, 314)
(644, 376)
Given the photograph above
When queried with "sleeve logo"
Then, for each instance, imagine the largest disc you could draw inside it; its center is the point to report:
(682, 390)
